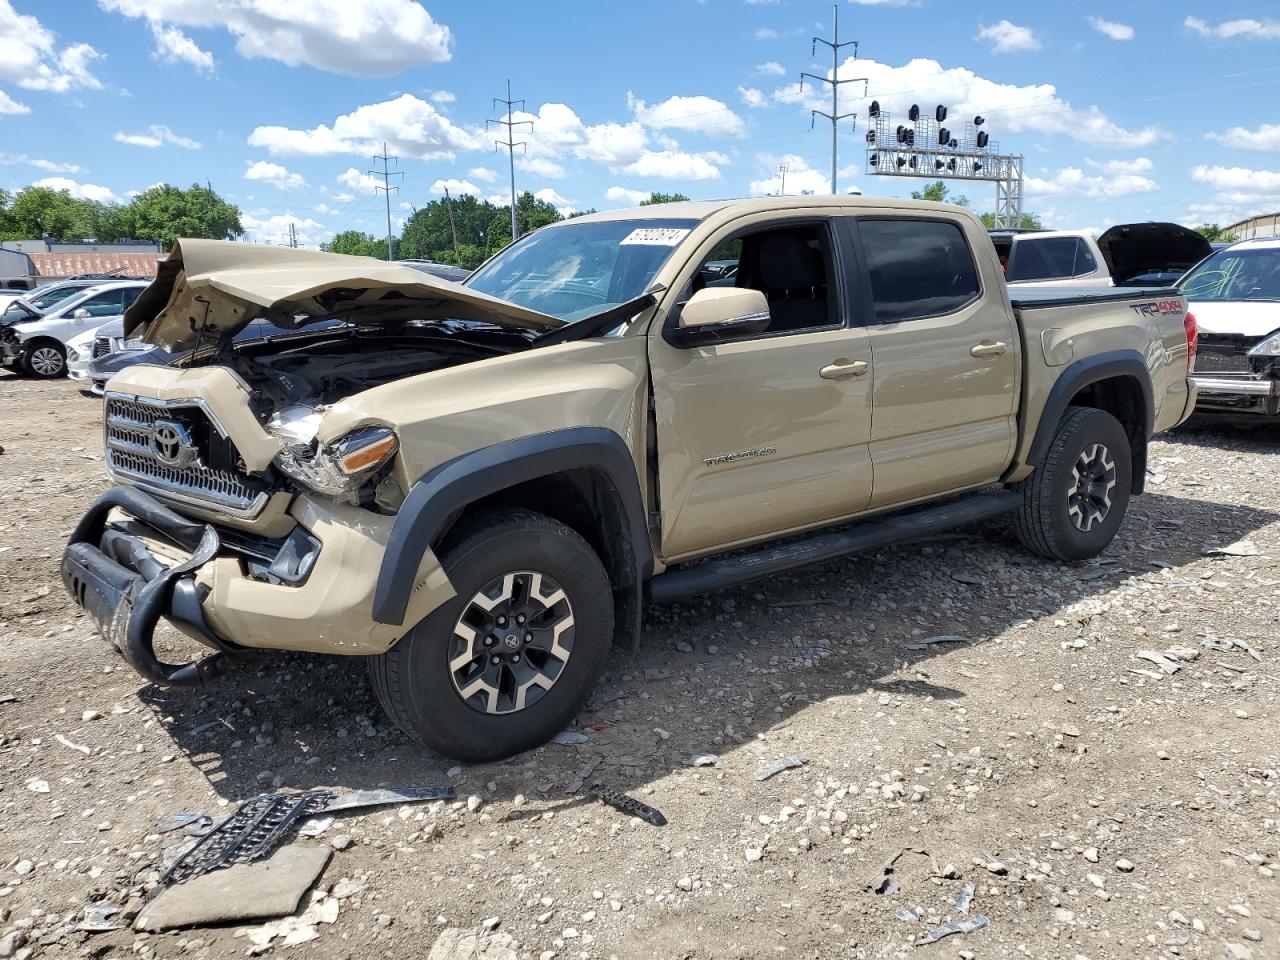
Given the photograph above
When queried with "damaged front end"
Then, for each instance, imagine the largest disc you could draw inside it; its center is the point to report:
(1236, 373)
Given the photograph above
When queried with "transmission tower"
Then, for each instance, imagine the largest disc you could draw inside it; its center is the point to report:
(386, 173)
(782, 173)
(510, 143)
(835, 116)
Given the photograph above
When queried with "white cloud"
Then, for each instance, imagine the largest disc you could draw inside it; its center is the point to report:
(766, 33)
(753, 98)
(363, 37)
(411, 127)
(1109, 28)
(677, 165)
(626, 197)
(443, 96)
(700, 114)
(81, 191)
(157, 135)
(48, 166)
(483, 174)
(541, 167)
(174, 46)
(1230, 29)
(1136, 165)
(1008, 37)
(261, 227)
(1266, 137)
(1238, 181)
(456, 187)
(1010, 108)
(800, 178)
(10, 106)
(771, 68)
(357, 180)
(275, 175)
(547, 195)
(1074, 181)
(30, 57)
(343, 198)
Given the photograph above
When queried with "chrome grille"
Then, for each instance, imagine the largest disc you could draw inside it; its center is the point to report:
(204, 475)
(101, 347)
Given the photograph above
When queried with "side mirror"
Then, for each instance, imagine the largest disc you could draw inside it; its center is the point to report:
(720, 313)
(81, 314)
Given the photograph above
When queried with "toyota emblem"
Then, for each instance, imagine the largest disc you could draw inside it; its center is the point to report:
(171, 444)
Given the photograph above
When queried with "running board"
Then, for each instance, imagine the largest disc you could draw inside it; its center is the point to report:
(742, 567)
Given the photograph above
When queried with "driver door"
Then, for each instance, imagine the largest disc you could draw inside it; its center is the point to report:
(768, 432)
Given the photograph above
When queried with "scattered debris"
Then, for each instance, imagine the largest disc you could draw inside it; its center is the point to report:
(588, 768)
(99, 918)
(931, 641)
(74, 746)
(964, 898)
(967, 925)
(910, 913)
(628, 805)
(702, 760)
(192, 824)
(315, 827)
(569, 738)
(1241, 548)
(458, 944)
(391, 796)
(775, 767)
(36, 785)
(1160, 660)
(248, 891)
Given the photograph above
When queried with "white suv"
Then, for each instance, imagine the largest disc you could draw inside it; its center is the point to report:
(38, 345)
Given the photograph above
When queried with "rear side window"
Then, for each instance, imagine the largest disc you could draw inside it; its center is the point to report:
(919, 268)
(1051, 258)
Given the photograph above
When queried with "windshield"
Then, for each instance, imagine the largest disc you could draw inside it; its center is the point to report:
(41, 300)
(579, 269)
(1235, 275)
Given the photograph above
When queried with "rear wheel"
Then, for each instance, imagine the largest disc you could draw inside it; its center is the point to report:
(511, 659)
(1074, 503)
(45, 359)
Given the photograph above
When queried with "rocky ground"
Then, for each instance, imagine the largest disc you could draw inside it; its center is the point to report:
(1089, 755)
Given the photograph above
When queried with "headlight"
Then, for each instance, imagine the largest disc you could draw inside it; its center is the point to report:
(338, 469)
(1270, 347)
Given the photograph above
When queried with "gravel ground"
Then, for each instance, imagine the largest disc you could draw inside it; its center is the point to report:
(1092, 748)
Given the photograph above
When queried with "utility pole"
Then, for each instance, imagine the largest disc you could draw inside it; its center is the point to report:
(448, 205)
(386, 173)
(510, 143)
(835, 116)
(782, 172)
(293, 234)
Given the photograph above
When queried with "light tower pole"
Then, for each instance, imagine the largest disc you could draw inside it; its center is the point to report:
(835, 116)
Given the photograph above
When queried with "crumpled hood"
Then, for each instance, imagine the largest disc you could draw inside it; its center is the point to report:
(1240, 317)
(223, 285)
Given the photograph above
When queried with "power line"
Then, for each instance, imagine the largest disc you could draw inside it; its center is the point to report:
(835, 116)
(511, 144)
(386, 173)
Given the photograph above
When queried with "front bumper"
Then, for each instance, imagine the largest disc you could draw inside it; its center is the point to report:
(1237, 394)
(133, 561)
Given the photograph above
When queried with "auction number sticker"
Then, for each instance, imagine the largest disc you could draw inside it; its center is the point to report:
(656, 236)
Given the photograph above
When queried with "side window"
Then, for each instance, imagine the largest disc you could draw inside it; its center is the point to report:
(919, 268)
(130, 294)
(103, 304)
(1050, 258)
(792, 266)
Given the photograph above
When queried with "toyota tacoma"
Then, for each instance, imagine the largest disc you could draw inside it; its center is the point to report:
(477, 486)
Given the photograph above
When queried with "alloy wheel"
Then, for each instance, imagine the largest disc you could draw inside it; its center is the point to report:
(511, 642)
(1089, 499)
(46, 361)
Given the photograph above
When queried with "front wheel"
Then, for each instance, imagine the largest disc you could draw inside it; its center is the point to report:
(1074, 503)
(512, 658)
(44, 359)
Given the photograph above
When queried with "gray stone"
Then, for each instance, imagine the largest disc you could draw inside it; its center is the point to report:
(457, 944)
(272, 888)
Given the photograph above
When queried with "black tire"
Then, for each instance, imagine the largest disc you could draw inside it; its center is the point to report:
(1049, 522)
(45, 360)
(415, 683)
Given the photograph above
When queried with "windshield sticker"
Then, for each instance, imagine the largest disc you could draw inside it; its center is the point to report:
(656, 236)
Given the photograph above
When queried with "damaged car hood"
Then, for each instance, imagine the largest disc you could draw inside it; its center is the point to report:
(1132, 249)
(209, 289)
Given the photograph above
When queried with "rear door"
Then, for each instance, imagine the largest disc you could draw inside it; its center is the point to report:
(769, 432)
(945, 350)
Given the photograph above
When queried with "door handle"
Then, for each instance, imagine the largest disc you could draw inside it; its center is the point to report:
(989, 348)
(843, 368)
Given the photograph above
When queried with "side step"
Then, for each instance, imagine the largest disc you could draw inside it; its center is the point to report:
(764, 561)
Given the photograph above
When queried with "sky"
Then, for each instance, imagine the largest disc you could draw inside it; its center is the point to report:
(1125, 111)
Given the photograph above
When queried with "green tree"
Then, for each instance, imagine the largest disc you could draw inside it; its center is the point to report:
(1214, 233)
(663, 198)
(164, 213)
(939, 192)
(1029, 221)
(359, 244)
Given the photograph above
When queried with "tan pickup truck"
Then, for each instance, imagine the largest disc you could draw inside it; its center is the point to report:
(476, 487)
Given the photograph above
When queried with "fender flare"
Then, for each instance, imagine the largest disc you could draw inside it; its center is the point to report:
(1077, 376)
(442, 492)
